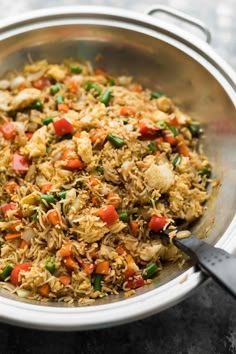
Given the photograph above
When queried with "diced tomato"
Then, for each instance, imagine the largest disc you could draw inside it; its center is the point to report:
(157, 223)
(62, 127)
(174, 121)
(169, 137)
(108, 215)
(88, 267)
(128, 111)
(102, 268)
(14, 277)
(41, 83)
(20, 163)
(148, 129)
(8, 131)
(137, 282)
(11, 206)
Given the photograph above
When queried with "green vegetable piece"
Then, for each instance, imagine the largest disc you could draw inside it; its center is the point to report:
(135, 216)
(173, 130)
(176, 160)
(75, 69)
(50, 265)
(38, 105)
(49, 198)
(90, 85)
(6, 272)
(67, 137)
(62, 194)
(152, 147)
(194, 129)
(106, 97)
(59, 99)
(125, 122)
(149, 271)
(35, 216)
(47, 120)
(97, 282)
(110, 82)
(205, 172)
(161, 124)
(123, 216)
(55, 88)
(100, 170)
(116, 141)
(156, 95)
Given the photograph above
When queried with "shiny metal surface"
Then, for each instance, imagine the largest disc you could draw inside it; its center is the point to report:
(161, 57)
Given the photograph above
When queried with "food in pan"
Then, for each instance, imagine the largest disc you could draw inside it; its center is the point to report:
(92, 169)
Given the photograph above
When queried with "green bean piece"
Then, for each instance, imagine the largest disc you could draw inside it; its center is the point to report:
(97, 282)
(149, 271)
(55, 88)
(38, 105)
(161, 124)
(177, 160)
(173, 130)
(106, 97)
(47, 120)
(50, 265)
(194, 129)
(205, 172)
(90, 85)
(59, 99)
(123, 216)
(62, 194)
(6, 272)
(35, 216)
(152, 147)
(110, 82)
(100, 170)
(156, 95)
(66, 137)
(125, 122)
(75, 69)
(116, 141)
(49, 198)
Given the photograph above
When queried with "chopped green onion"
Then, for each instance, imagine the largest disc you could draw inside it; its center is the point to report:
(173, 130)
(205, 172)
(66, 137)
(47, 120)
(89, 85)
(38, 105)
(149, 271)
(106, 97)
(75, 69)
(62, 194)
(49, 198)
(59, 99)
(125, 122)
(123, 216)
(100, 170)
(35, 216)
(152, 147)
(161, 124)
(55, 88)
(50, 265)
(154, 200)
(135, 216)
(194, 129)
(115, 140)
(156, 94)
(176, 160)
(110, 82)
(6, 272)
(97, 282)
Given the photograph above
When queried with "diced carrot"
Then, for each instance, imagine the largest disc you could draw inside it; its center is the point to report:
(77, 135)
(29, 135)
(136, 88)
(99, 71)
(95, 201)
(73, 86)
(54, 217)
(102, 268)
(113, 199)
(11, 186)
(44, 290)
(120, 250)
(182, 147)
(108, 215)
(93, 253)
(70, 263)
(131, 267)
(159, 140)
(98, 137)
(23, 244)
(65, 279)
(128, 111)
(66, 250)
(21, 87)
(74, 164)
(46, 187)
(68, 154)
(63, 107)
(134, 227)
(169, 137)
(13, 227)
(10, 237)
(88, 267)
(15, 277)
(174, 121)
(93, 181)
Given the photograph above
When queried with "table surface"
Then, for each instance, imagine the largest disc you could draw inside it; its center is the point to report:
(206, 321)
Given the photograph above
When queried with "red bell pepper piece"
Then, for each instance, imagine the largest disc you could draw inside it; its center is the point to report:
(168, 137)
(11, 206)
(137, 282)
(14, 277)
(148, 129)
(108, 215)
(20, 163)
(8, 131)
(157, 223)
(62, 127)
(41, 83)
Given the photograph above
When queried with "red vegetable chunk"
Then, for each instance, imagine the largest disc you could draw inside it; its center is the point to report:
(62, 127)
(8, 131)
(20, 163)
(14, 278)
(11, 206)
(148, 130)
(108, 215)
(157, 223)
(137, 282)
(41, 83)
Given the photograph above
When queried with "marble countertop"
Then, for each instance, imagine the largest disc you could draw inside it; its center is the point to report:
(205, 323)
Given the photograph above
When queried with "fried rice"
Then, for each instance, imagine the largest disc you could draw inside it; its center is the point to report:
(93, 168)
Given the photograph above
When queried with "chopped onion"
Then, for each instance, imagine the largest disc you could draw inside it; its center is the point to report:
(86, 119)
(17, 82)
(4, 84)
(35, 76)
(28, 234)
(22, 292)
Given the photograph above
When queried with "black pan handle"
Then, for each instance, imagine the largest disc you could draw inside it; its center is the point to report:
(213, 261)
